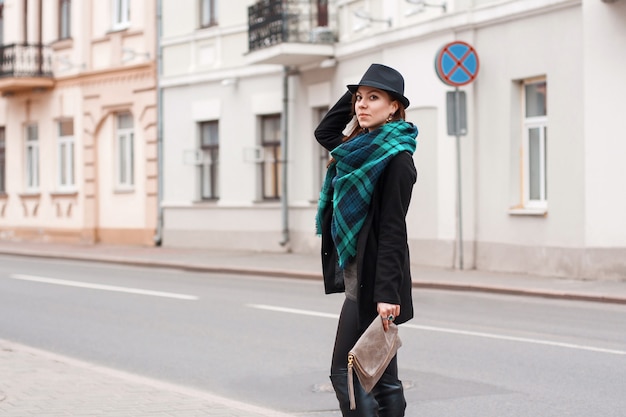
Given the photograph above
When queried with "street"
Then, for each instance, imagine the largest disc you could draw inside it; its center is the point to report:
(268, 341)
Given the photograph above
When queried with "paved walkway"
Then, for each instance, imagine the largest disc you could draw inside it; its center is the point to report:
(35, 383)
(42, 384)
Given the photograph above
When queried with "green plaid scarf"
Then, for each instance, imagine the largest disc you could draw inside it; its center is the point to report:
(351, 178)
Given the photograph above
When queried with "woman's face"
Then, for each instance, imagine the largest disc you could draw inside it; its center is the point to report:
(373, 107)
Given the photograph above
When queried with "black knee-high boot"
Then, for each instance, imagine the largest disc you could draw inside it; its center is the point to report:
(366, 405)
(389, 394)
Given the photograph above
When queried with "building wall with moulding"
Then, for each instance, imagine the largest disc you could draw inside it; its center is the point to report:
(568, 43)
(95, 73)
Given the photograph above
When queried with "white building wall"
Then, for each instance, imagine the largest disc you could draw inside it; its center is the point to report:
(604, 88)
(604, 26)
(186, 15)
(12, 32)
(513, 51)
(569, 42)
(238, 218)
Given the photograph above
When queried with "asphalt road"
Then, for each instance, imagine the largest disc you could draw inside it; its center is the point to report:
(268, 341)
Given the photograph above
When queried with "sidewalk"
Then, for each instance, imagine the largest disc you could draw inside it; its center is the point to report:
(35, 383)
(308, 267)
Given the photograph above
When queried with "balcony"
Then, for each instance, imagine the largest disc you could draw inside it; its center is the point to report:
(25, 67)
(290, 32)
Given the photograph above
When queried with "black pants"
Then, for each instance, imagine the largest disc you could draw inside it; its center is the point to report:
(388, 392)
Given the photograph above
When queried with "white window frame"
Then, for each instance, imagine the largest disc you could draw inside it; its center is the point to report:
(539, 123)
(271, 166)
(208, 13)
(209, 167)
(31, 157)
(124, 154)
(322, 157)
(121, 14)
(65, 158)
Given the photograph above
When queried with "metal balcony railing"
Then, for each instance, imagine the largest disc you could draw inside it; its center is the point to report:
(271, 22)
(25, 60)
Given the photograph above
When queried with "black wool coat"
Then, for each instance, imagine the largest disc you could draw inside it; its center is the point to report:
(383, 265)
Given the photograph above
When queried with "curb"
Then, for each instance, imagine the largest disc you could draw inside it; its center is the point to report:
(520, 292)
(282, 273)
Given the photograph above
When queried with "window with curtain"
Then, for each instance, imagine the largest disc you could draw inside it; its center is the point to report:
(65, 19)
(322, 12)
(65, 155)
(208, 13)
(271, 164)
(323, 156)
(125, 151)
(210, 150)
(535, 134)
(32, 157)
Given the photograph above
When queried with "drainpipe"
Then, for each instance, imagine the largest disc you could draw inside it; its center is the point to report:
(284, 125)
(158, 237)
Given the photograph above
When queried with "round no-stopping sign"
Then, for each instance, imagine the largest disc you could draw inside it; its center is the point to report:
(456, 63)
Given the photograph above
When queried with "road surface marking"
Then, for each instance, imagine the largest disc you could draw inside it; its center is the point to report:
(89, 285)
(454, 331)
(515, 339)
(294, 311)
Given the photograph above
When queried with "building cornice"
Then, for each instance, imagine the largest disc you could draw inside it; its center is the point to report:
(250, 71)
(143, 70)
(203, 34)
(451, 23)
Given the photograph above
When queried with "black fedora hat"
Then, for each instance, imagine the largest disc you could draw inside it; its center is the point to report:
(384, 78)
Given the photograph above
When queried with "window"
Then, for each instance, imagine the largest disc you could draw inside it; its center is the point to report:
(121, 14)
(124, 136)
(323, 156)
(3, 165)
(535, 144)
(271, 163)
(65, 155)
(208, 13)
(32, 157)
(209, 173)
(322, 12)
(64, 19)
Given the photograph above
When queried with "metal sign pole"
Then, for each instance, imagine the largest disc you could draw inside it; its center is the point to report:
(459, 213)
(456, 64)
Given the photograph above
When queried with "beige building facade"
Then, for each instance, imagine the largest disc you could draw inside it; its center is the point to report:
(244, 85)
(78, 121)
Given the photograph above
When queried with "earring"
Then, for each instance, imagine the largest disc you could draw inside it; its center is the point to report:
(389, 118)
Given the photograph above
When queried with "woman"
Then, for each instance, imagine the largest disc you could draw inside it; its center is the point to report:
(361, 217)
